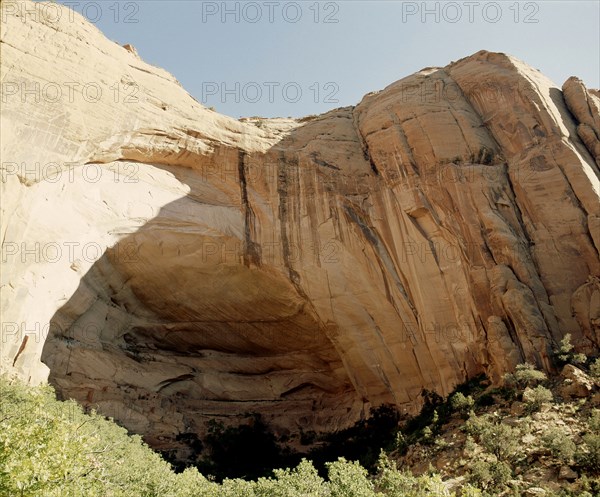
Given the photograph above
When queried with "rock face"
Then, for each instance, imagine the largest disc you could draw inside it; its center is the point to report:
(167, 264)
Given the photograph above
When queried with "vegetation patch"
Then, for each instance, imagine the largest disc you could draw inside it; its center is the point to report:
(524, 438)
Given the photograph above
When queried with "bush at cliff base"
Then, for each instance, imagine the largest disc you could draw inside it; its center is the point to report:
(50, 448)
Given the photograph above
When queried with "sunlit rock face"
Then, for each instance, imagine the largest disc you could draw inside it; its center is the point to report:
(168, 265)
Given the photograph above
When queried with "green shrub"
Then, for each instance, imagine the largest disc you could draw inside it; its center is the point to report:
(400, 443)
(566, 354)
(470, 491)
(560, 444)
(588, 453)
(303, 481)
(496, 438)
(349, 479)
(427, 434)
(594, 421)
(525, 375)
(461, 403)
(536, 397)
(490, 475)
(54, 449)
(591, 486)
(394, 483)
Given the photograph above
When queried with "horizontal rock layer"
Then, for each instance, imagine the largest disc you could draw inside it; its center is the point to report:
(167, 265)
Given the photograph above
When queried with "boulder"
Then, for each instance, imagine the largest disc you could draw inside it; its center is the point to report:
(576, 384)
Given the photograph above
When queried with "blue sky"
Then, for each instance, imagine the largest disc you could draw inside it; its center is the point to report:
(279, 58)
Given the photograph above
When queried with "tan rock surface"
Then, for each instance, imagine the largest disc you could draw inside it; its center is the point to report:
(167, 264)
(575, 383)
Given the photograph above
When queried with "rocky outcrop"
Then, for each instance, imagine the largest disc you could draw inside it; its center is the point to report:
(167, 265)
(585, 106)
(576, 384)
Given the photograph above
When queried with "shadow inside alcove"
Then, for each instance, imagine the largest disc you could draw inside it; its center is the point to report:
(179, 324)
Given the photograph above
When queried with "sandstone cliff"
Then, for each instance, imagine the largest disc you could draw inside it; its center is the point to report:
(168, 265)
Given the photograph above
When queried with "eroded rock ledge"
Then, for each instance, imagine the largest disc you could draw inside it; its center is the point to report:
(188, 266)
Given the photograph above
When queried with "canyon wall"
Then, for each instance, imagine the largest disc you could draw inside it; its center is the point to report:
(167, 265)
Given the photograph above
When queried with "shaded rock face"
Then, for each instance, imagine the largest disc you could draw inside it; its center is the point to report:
(168, 265)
